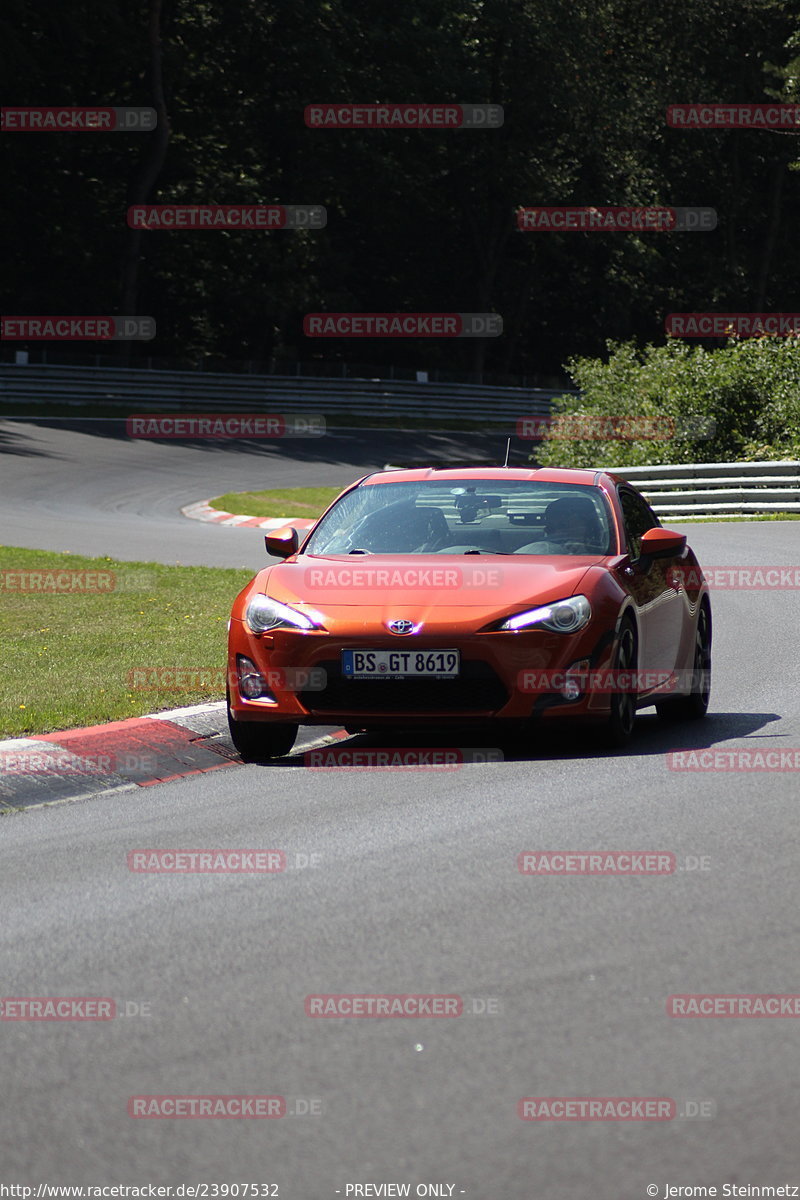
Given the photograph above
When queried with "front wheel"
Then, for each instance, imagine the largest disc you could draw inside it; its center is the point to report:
(619, 727)
(694, 706)
(258, 741)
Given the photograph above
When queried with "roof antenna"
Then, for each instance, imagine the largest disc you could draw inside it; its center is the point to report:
(508, 448)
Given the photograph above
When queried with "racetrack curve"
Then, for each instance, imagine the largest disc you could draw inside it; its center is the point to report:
(416, 890)
(84, 486)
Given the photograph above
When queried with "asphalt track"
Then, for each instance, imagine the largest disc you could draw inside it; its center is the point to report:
(102, 493)
(416, 890)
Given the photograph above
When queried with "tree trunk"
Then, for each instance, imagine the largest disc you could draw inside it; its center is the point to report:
(777, 173)
(141, 186)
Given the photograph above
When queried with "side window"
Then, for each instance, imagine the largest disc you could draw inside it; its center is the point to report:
(638, 518)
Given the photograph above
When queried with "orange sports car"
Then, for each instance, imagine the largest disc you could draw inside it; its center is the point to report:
(455, 596)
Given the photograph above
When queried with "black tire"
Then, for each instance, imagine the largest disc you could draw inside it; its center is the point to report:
(258, 741)
(618, 730)
(694, 706)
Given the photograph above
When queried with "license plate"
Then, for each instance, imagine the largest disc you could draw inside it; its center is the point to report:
(400, 664)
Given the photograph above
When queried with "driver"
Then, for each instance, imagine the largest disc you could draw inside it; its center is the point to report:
(569, 524)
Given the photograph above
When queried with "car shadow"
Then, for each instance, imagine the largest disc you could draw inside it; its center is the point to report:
(487, 746)
(652, 736)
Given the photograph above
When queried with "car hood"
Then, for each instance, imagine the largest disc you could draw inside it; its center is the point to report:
(416, 586)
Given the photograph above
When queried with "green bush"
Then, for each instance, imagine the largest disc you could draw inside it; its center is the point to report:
(677, 403)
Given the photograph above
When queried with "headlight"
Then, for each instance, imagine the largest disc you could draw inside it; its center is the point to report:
(263, 614)
(563, 616)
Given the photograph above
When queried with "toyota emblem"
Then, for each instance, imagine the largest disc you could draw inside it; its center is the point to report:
(401, 626)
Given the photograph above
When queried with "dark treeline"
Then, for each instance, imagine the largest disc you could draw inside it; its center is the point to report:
(417, 221)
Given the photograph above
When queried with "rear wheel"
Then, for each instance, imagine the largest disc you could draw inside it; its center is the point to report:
(258, 741)
(695, 705)
(619, 727)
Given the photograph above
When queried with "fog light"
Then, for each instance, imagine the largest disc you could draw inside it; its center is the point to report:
(575, 679)
(252, 683)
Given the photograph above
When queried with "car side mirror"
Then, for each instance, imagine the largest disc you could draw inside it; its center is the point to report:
(283, 542)
(662, 543)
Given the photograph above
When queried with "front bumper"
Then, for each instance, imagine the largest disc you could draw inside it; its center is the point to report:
(498, 678)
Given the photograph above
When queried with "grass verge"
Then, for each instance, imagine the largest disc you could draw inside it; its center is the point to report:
(307, 502)
(83, 657)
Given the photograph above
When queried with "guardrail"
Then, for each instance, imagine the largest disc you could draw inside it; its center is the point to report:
(720, 490)
(682, 492)
(119, 387)
(44, 355)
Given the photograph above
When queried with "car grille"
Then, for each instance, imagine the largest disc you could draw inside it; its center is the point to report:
(477, 689)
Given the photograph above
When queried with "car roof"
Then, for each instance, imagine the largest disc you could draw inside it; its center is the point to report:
(537, 475)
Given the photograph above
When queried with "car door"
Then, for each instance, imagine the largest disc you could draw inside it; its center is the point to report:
(654, 587)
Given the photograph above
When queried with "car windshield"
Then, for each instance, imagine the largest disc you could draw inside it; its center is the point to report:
(466, 516)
